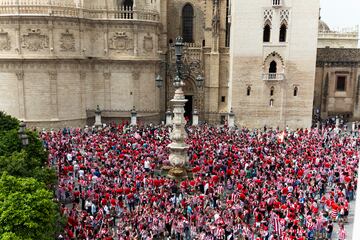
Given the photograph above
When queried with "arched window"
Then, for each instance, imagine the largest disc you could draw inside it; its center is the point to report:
(272, 90)
(283, 30)
(271, 103)
(273, 67)
(188, 23)
(296, 90)
(248, 91)
(266, 36)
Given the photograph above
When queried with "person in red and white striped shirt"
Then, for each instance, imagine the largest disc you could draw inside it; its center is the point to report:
(342, 232)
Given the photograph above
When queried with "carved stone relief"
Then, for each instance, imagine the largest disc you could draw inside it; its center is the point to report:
(107, 75)
(34, 40)
(20, 75)
(52, 75)
(148, 43)
(136, 75)
(121, 41)
(5, 43)
(67, 40)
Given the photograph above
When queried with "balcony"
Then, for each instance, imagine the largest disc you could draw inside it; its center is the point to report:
(276, 3)
(273, 77)
(63, 9)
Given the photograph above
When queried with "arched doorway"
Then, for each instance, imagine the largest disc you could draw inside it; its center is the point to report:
(193, 94)
(189, 92)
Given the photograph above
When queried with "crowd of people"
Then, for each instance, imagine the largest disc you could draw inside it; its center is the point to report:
(243, 184)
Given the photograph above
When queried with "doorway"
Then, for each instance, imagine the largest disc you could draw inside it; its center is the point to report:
(188, 108)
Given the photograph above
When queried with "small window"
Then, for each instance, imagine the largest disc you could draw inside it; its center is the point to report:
(341, 83)
(248, 91)
(296, 90)
(266, 36)
(271, 103)
(203, 43)
(272, 89)
(223, 99)
(283, 31)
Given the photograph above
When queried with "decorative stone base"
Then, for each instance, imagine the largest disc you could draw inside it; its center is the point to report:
(176, 173)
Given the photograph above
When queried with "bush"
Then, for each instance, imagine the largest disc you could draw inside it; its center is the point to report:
(26, 208)
(7, 122)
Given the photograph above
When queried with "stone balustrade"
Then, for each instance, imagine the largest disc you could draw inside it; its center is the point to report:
(273, 77)
(70, 9)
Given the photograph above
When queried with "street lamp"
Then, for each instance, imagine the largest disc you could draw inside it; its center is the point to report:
(159, 81)
(178, 157)
(22, 135)
(199, 81)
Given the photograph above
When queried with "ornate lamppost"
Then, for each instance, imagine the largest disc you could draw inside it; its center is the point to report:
(22, 135)
(178, 148)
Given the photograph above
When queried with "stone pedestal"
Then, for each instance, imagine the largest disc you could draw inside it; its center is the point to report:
(133, 117)
(195, 118)
(178, 149)
(168, 118)
(231, 119)
(98, 122)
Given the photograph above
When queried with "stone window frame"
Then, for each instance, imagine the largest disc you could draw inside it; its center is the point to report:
(286, 25)
(193, 22)
(267, 38)
(271, 102)
(272, 91)
(346, 77)
(295, 91)
(280, 65)
(248, 90)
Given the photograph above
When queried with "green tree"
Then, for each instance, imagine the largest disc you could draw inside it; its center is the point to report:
(9, 236)
(27, 210)
(21, 164)
(7, 122)
(10, 142)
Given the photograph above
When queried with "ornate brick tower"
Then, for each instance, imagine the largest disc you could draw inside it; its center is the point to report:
(272, 62)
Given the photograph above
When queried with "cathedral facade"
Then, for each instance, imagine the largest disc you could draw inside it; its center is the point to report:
(59, 60)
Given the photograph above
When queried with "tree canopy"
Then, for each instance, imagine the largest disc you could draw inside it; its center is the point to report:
(7, 122)
(27, 209)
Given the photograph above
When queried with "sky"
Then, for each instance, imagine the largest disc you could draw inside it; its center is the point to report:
(340, 13)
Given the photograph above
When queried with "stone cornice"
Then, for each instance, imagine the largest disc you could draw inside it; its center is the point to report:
(83, 59)
(338, 64)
